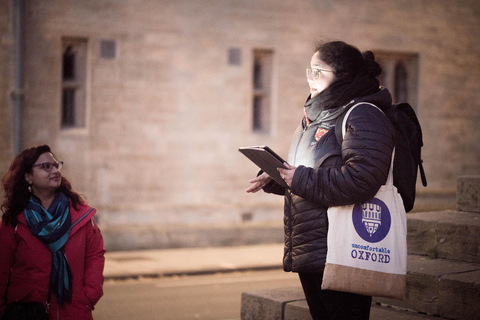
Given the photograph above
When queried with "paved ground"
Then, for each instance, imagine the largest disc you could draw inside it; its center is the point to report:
(167, 262)
(194, 261)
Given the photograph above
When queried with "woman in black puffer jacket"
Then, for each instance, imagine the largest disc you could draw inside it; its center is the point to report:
(322, 173)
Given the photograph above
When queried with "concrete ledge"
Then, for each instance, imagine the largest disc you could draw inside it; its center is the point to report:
(297, 310)
(260, 305)
(468, 193)
(453, 235)
(191, 261)
(125, 238)
(270, 304)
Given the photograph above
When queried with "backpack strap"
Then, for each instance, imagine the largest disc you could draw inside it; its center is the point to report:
(341, 123)
(338, 127)
(340, 133)
(422, 173)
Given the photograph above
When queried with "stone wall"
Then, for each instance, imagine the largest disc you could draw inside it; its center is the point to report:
(7, 84)
(166, 115)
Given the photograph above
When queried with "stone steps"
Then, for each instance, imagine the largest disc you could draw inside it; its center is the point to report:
(289, 303)
(440, 287)
(443, 276)
(453, 235)
(436, 287)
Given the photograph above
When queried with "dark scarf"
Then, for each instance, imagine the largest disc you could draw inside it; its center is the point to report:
(333, 101)
(52, 227)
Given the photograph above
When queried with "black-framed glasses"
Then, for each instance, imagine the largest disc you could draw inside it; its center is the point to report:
(315, 73)
(48, 166)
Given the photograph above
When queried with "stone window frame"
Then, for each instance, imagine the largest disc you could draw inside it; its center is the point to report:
(74, 58)
(262, 90)
(399, 75)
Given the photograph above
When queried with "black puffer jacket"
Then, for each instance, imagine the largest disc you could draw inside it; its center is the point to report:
(328, 175)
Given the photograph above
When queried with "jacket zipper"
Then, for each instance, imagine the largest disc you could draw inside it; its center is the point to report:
(290, 223)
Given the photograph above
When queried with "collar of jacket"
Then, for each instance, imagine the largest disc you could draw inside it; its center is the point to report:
(75, 214)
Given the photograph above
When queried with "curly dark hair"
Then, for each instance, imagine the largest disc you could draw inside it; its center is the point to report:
(16, 187)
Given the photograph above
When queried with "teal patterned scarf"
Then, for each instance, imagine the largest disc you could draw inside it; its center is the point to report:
(52, 227)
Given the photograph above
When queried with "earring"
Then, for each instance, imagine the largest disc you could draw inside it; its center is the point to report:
(30, 188)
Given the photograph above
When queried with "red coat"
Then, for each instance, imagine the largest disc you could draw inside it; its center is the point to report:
(30, 263)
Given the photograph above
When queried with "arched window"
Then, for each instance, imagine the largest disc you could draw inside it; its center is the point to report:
(74, 59)
(399, 75)
(262, 69)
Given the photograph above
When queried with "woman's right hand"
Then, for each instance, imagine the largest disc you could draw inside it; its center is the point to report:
(259, 182)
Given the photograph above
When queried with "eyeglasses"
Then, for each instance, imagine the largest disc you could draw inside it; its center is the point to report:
(316, 72)
(48, 166)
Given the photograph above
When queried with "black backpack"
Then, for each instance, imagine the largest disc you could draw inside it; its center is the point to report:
(408, 144)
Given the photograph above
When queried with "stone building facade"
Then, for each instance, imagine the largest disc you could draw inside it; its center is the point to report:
(7, 82)
(147, 101)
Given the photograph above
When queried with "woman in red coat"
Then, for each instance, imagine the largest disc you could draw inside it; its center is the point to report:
(51, 248)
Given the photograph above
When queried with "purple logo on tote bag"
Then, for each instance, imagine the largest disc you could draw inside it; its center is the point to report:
(372, 220)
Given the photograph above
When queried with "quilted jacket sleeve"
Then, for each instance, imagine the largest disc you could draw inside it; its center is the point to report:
(366, 155)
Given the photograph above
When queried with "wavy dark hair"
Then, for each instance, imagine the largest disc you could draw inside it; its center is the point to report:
(347, 60)
(16, 187)
(355, 73)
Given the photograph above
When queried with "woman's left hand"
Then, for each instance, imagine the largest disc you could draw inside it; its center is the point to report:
(287, 174)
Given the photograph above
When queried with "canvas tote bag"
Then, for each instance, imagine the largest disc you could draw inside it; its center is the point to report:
(367, 244)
